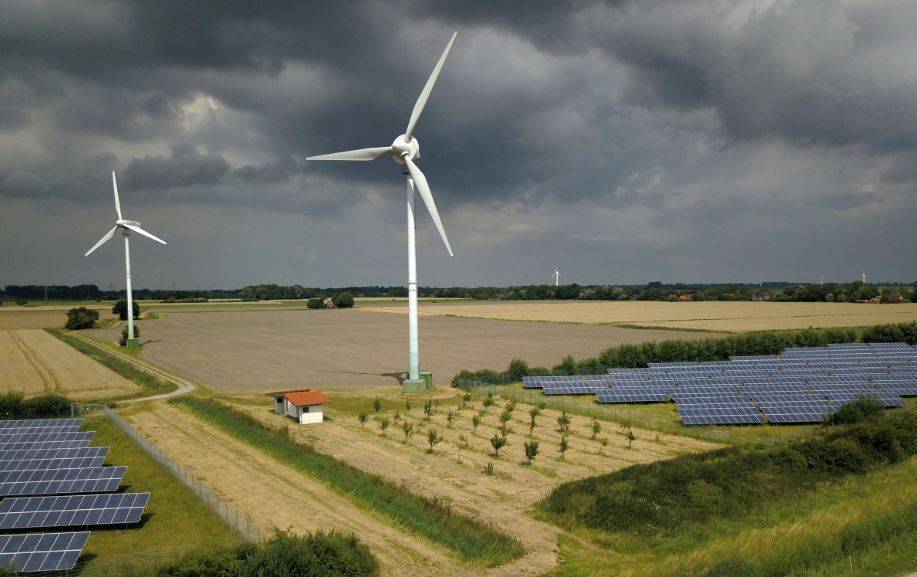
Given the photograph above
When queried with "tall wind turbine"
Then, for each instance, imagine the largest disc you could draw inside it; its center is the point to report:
(405, 150)
(556, 277)
(126, 227)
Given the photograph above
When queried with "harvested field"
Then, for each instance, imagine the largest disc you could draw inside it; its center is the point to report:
(35, 363)
(272, 494)
(708, 316)
(265, 350)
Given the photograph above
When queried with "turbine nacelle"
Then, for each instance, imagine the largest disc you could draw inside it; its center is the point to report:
(405, 145)
(123, 223)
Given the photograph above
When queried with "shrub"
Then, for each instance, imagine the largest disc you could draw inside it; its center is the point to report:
(384, 423)
(81, 318)
(343, 300)
(531, 450)
(123, 340)
(434, 437)
(377, 404)
(518, 368)
(497, 442)
(563, 422)
(563, 446)
(363, 417)
(14, 405)
(11, 405)
(21, 302)
(120, 309)
(315, 303)
(407, 428)
(861, 409)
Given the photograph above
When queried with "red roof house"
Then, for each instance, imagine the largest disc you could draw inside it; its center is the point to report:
(304, 405)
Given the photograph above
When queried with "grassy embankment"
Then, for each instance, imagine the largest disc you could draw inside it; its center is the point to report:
(175, 520)
(471, 541)
(151, 385)
(840, 502)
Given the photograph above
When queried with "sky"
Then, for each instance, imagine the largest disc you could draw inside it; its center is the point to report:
(620, 142)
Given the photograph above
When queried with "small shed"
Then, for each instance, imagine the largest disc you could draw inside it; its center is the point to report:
(303, 405)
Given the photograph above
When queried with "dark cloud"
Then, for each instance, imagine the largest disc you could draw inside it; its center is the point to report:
(185, 167)
(631, 140)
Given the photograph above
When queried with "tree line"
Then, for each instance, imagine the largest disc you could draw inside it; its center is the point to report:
(655, 291)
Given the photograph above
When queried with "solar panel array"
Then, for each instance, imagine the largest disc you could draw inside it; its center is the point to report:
(50, 478)
(801, 385)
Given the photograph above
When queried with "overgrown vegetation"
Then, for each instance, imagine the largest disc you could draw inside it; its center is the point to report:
(14, 405)
(471, 540)
(321, 554)
(714, 349)
(662, 498)
(150, 383)
(81, 318)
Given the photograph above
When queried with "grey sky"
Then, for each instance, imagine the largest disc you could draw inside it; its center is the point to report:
(679, 140)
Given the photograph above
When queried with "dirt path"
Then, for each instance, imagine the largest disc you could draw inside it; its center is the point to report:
(273, 495)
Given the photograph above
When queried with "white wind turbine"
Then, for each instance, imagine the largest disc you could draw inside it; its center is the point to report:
(126, 227)
(405, 150)
(556, 277)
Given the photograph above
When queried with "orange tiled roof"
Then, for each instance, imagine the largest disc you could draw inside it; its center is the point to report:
(307, 397)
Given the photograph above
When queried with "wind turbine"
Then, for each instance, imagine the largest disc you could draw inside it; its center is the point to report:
(405, 150)
(556, 277)
(126, 227)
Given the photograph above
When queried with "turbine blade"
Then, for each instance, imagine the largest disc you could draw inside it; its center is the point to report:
(425, 93)
(424, 189)
(139, 230)
(114, 183)
(361, 154)
(102, 241)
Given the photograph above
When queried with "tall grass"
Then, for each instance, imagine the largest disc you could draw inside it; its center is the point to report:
(151, 384)
(472, 541)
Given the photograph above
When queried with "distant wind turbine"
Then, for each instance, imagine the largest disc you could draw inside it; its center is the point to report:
(126, 227)
(556, 277)
(405, 150)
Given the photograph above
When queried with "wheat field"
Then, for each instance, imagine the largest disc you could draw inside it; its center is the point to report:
(711, 315)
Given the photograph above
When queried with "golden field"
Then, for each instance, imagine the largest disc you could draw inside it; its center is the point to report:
(710, 316)
(33, 362)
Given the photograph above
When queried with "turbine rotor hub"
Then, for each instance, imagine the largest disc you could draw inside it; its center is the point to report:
(402, 146)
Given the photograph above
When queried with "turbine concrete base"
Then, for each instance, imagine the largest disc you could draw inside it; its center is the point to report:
(410, 386)
(132, 344)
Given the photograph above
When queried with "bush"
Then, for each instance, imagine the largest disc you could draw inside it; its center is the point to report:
(663, 497)
(123, 340)
(517, 369)
(14, 405)
(81, 318)
(343, 301)
(120, 309)
(315, 303)
(862, 409)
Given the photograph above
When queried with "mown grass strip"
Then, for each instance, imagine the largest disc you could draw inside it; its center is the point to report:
(151, 384)
(472, 541)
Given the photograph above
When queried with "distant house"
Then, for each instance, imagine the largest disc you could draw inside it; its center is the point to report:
(329, 304)
(303, 405)
(686, 297)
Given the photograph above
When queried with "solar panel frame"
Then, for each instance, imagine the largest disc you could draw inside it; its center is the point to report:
(61, 481)
(33, 552)
(72, 510)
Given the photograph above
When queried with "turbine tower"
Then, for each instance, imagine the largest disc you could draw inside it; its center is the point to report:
(126, 227)
(405, 150)
(556, 276)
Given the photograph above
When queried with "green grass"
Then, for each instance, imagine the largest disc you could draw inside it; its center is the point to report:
(151, 385)
(175, 519)
(839, 502)
(471, 541)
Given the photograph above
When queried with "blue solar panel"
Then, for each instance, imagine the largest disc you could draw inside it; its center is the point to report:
(648, 394)
(34, 436)
(32, 552)
(18, 424)
(61, 481)
(45, 453)
(72, 510)
(72, 463)
(10, 448)
(719, 414)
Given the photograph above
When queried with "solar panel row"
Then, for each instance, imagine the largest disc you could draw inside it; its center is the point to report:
(61, 481)
(72, 511)
(33, 552)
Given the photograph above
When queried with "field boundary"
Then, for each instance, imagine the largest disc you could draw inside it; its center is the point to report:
(231, 516)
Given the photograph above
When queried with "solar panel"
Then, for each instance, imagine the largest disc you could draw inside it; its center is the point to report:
(6, 448)
(786, 413)
(724, 414)
(633, 395)
(45, 453)
(36, 464)
(72, 510)
(31, 552)
(40, 423)
(61, 481)
(44, 436)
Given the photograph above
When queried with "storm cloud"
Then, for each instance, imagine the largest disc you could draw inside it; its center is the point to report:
(674, 140)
